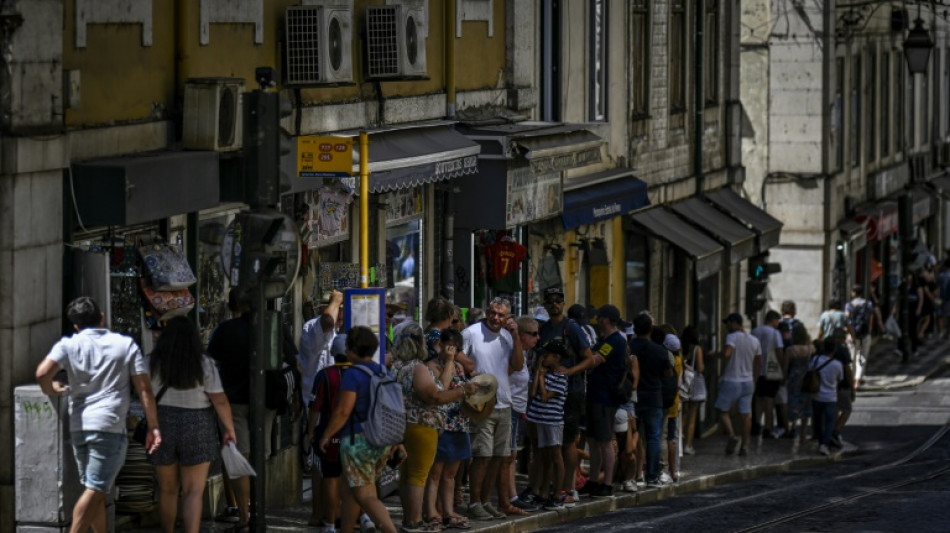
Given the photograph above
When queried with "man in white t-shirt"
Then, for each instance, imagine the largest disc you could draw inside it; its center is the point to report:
(315, 341)
(101, 366)
(766, 389)
(492, 346)
(743, 355)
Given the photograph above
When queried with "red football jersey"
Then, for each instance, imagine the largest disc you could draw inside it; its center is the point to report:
(505, 257)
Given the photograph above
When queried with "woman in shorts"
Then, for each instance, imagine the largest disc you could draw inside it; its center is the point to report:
(186, 413)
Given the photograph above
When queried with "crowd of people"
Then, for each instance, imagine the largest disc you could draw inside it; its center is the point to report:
(578, 397)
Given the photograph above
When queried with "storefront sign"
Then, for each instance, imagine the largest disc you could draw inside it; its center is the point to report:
(456, 167)
(559, 162)
(531, 196)
(329, 220)
(324, 157)
(403, 205)
(879, 224)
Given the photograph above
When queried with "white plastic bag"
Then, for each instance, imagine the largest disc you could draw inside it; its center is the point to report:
(892, 328)
(235, 463)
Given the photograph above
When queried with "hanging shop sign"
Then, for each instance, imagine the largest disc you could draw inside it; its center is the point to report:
(329, 221)
(532, 196)
(403, 205)
(880, 223)
(324, 157)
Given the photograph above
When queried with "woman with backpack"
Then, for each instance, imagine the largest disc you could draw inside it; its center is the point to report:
(188, 387)
(362, 462)
(424, 393)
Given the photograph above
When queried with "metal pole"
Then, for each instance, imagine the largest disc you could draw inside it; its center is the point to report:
(256, 411)
(364, 209)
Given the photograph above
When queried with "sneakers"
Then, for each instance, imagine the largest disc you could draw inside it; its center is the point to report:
(524, 506)
(587, 488)
(576, 495)
(778, 433)
(477, 512)
(732, 445)
(689, 450)
(665, 479)
(490, 509)
(230, 514)
(630, 486)
(566, 500)
(654, 484)
(602, 491)
(552, 505)
(366, 524)
(529, 498)
(823, 449)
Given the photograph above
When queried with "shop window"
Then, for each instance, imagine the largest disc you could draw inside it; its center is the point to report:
(403, 267)
(678, 56)
(711, 53)
(640, 58)
(636, 281)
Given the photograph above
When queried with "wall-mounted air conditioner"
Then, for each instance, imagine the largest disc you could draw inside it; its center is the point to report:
(396, 41)
(212, 114)
(318, 43)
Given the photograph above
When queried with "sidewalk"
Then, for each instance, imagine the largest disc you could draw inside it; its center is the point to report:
(710, 466)
(885, 371)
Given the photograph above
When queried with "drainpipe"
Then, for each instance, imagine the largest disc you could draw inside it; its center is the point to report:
(450, 60)
(448, 195)
(699, 105)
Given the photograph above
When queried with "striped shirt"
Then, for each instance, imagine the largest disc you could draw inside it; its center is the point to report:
(550, 412)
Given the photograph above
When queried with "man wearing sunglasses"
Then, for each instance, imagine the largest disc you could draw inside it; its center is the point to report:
(581, 358)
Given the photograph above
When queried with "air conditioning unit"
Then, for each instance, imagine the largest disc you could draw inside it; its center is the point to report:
(318, 43)
(396, 41)
(212, 114)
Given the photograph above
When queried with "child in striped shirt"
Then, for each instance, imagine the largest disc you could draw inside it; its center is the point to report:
(546, 412)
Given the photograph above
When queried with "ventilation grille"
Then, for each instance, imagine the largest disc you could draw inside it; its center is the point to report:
(303, 45)
(382, 41)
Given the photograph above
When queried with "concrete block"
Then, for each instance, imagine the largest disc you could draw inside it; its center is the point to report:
(416, 108)
(36, 97)
(35, 41)
(92, 143)
(25, 154)
(338, 117)
(29, 290)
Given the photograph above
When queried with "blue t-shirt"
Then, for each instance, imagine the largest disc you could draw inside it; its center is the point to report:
(358, 382)
(602, 379)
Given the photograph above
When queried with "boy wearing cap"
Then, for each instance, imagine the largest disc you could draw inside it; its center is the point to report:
(546, 412)
(743, 355)
(327, 466)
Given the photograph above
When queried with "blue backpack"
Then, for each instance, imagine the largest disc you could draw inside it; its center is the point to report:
(385, 422)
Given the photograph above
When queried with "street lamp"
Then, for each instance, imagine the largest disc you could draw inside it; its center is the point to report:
(917, 48)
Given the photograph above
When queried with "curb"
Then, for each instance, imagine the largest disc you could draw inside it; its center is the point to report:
(600, 506)
(942, 365)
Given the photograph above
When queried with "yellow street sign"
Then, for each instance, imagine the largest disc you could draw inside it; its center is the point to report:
(324, 157)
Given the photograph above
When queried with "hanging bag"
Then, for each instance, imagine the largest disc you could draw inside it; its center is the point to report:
(773, 369)
(167, 304)
(166, 267)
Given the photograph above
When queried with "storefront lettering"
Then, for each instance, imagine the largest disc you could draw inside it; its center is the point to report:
(456, 167)
(556, 163)
(607, 210)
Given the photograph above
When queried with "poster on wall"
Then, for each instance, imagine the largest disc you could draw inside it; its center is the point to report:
(532, 196)
(403, 206)
(328, 221)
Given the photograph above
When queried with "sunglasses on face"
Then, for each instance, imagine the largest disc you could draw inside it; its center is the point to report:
(531, 333)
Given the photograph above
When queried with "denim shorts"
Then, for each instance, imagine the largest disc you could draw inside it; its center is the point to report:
(731, 392)
(99, 456)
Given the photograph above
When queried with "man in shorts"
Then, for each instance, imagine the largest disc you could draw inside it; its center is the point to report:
(492, 346)
(100, 366)
(743, 355)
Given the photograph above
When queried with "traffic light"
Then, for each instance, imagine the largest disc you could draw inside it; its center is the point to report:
(269, 251)
(760, 268)
(264, 144)
(754, 296)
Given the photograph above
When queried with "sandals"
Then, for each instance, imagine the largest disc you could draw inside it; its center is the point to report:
(511, 510)
(421, 527)
(456, 522)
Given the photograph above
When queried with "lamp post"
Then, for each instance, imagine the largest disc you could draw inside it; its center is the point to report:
(917, 48)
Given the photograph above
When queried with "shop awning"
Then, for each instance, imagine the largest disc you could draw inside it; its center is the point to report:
(408, 157)
(706, 218)
(601, 196)
(142, 188)
(662, 223)
(765, 225)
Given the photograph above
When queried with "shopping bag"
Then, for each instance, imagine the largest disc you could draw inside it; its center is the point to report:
(235, 463)
(892, 327)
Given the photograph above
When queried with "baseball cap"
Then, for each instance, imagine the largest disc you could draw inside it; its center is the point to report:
(553, 291)
(671, 342)
(733, 317)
